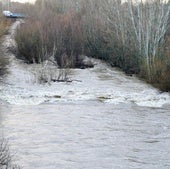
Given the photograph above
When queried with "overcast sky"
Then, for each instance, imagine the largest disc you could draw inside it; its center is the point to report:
(23, 1)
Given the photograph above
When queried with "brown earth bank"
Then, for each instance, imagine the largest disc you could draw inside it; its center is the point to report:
(4, 27)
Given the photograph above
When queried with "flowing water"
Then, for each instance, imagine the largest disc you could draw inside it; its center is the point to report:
(103, 119)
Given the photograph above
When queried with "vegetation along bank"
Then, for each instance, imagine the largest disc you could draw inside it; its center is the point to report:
(132, 37)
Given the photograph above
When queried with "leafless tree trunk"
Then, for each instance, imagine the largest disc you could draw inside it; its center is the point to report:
(149, 22)
(139, 21)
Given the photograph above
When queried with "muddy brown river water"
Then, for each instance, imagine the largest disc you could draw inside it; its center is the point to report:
(102, 120)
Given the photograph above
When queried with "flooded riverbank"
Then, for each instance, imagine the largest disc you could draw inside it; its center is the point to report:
(103, 119)
(101, 83)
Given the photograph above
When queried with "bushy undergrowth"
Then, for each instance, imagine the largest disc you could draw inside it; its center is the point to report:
(4, 24)
(55, 35)
(160, 72)
(3, 64)
(117, 33)
(30, 43)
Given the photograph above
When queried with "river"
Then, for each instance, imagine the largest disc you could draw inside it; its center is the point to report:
(103, 119)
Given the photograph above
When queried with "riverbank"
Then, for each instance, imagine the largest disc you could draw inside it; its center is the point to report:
(160, 73)
(101, 83)
(4, 28)
(4, 25)
(127, 43)
(6, 157)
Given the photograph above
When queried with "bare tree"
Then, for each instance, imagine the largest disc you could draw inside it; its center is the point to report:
(141, 22)
(149, 21)
(5, 156)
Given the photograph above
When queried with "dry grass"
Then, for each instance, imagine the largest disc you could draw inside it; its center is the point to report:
(4, 24)
(159, 74)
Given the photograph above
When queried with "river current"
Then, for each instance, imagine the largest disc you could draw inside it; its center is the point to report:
(103, 119)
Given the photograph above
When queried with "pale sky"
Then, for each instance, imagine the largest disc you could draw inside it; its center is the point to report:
(23, 1)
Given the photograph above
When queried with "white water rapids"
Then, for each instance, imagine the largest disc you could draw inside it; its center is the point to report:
(102, 120)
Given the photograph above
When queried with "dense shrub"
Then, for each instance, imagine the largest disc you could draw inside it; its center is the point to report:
(29, 42)
(160, 71)
(69, 39)
(57, 35)
(159, 75)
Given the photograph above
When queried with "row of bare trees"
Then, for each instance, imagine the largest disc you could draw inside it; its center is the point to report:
(133, 36)
(137, 24)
